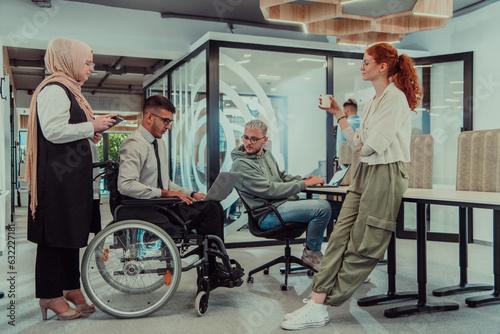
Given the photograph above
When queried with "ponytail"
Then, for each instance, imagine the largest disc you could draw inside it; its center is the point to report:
(401, 70)
(407, 80)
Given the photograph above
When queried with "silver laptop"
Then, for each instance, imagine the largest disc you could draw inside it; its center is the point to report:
(222, 186)
(336, 179)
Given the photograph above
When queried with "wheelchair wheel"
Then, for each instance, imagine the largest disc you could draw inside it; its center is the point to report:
(131, 269)
(201, 303)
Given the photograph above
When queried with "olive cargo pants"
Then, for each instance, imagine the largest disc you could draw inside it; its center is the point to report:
(363, 230)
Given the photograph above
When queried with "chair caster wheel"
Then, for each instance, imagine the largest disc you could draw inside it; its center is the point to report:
(310, 273)
(249, 279)
(201, 303)
(266, 271)
(284, 287)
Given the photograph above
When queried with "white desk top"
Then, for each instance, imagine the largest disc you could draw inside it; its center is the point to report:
(435, 196)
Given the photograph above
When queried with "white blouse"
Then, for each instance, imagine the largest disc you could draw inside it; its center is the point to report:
(385, 130)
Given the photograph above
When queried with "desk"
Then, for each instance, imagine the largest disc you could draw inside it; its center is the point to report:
(462, 199)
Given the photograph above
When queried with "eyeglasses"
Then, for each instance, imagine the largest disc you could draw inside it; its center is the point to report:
(364, 64)
(90, 64)
(166, 121)
(253, 140)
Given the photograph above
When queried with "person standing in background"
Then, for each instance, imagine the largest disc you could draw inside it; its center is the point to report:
(351, 112)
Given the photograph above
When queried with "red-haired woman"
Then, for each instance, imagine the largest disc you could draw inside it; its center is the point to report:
(368, 216)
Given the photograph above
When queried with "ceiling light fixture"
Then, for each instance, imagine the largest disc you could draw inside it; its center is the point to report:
(315, 60)
(269, 77)
(337, 18)
(432, 15)
(304, 27)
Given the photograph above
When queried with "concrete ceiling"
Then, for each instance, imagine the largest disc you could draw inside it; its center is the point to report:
(113, 74)
(126, 74)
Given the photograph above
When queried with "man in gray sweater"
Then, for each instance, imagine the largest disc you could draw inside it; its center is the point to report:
(262, 182)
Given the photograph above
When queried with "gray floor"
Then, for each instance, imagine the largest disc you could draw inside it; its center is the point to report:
(259, 307)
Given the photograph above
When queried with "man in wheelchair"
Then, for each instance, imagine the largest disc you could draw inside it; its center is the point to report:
(143, 174)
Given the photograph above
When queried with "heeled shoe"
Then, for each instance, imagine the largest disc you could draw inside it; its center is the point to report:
(68, 315)
(84, 307)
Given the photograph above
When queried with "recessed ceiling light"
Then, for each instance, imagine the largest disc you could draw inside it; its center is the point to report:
(314, 60)
(269, 77)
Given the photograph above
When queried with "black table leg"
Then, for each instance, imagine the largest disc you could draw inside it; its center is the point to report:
(495, 296)
(421, 306)
(391, 294)
(463, 244)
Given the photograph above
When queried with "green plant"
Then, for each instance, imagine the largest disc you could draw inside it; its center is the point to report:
(114, 142)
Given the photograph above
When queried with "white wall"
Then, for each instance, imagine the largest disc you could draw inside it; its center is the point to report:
(477, 32)
(306, 122)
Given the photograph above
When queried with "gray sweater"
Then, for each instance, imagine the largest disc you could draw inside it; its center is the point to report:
(262, 182)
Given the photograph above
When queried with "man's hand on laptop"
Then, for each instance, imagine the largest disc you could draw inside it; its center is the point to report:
(177, 194)
(199, 196)
(314, 180)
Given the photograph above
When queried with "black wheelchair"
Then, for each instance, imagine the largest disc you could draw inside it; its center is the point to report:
(133, 267)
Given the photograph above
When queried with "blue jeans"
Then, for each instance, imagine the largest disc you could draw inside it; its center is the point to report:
(314, 212)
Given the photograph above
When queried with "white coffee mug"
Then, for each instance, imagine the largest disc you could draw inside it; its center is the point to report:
(325, 100)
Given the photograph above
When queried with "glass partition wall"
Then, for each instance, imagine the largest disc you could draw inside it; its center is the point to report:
(222, 85)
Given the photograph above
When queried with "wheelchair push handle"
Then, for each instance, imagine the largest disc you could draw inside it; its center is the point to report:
(104, 164)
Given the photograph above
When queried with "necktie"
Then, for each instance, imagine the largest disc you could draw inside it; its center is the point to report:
(155, 145)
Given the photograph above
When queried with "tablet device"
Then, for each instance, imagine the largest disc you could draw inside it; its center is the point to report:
(118, 121)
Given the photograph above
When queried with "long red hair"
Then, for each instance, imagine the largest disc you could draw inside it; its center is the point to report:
(401, 71)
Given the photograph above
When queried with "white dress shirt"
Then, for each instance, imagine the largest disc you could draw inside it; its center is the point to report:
(138, 176)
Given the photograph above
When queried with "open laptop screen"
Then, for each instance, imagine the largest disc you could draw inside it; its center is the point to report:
(339, 176)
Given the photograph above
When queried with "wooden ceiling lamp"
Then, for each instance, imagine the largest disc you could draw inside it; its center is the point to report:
(327, 17)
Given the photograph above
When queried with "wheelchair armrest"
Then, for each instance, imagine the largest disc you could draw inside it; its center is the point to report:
(271, 208)
(154, 201)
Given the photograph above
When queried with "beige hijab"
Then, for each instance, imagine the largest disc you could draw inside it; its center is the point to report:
(64, 59)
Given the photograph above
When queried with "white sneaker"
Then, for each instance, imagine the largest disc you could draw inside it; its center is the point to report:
(309, 315)
(292, 314)
(312, 258)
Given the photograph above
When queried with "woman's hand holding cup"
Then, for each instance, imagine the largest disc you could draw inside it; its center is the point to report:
(328, 103)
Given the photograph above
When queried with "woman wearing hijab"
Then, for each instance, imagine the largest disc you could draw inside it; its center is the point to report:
(61, 133)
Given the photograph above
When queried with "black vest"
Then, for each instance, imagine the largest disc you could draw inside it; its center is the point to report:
(65, 193)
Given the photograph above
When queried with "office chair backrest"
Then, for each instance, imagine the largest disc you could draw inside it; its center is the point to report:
(253, 225)
(478, 161)
(420, 166)
(347, 156)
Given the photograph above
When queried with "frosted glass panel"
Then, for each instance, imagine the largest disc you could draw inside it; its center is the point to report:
(281, 89)
(189, 133)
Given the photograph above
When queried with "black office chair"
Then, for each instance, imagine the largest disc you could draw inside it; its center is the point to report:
(285, 232)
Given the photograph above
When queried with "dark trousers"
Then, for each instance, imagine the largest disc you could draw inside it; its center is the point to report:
(56, 269)
(206, 217)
